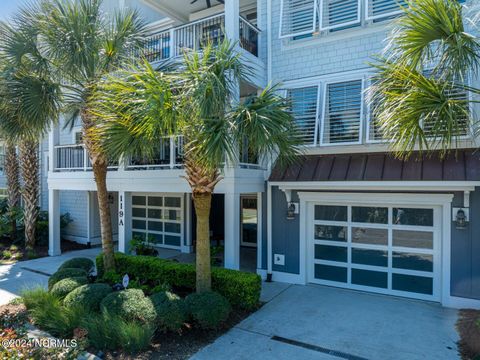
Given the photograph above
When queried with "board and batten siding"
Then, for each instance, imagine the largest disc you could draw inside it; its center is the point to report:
(465, 251)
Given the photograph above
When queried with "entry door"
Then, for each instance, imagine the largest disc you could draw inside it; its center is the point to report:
(249, 221)
(385, 249)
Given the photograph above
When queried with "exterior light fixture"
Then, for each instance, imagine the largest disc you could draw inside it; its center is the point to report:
(461, 219)
(111, 199)
(291, 211)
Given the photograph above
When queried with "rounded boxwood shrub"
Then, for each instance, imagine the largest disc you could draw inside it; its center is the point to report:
(64, 286)
(208, 309)
(87, 296)
(78, 263)
(130, 304)
(171, 311)
(63, 274)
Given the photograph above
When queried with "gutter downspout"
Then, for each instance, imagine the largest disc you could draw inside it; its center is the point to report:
(269, 188)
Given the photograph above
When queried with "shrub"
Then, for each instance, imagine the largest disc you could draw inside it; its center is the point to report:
(63, 287)
(208, 309)
(241, 289)
(129, 304)
(63, 274)
(78, 263)
(47, 313)
(111, 332)
(88, 296)
(170, 309)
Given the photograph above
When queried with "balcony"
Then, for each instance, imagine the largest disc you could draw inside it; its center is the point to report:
(74, 158)
(195, 35)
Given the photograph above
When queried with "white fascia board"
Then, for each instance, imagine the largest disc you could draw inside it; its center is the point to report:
(377, 185)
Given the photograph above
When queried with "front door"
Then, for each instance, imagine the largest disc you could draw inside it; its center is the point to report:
(249, 220)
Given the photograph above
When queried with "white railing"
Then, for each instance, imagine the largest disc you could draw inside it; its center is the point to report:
(74, 157)
(195, 35)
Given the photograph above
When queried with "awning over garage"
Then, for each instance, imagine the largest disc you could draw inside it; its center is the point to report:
(464, 165)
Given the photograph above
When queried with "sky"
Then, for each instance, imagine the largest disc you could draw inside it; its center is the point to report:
(8, 7)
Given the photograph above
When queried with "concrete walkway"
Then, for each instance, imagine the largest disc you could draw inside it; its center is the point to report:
(32, 273)
(317, 322)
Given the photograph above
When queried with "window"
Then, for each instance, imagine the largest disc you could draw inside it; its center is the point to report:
(376, 9)
(339, 13)
(297, 17)
(342, 115)
(304, 108)
(78, 137)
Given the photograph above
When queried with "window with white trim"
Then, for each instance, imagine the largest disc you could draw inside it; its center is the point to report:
(339, 13)
(298, 17)
(342, 112)
(304, 107)
(379, 9)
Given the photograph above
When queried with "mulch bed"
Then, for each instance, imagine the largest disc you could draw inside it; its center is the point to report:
(468, 326)
(17, 253)
(183, 345)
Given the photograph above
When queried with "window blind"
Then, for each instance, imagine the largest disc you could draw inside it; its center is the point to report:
(304, 109)
(339, 13)
(383, 8)
(297, 17)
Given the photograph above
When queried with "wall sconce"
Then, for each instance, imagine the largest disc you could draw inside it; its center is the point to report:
(461, 217)
(291, 211)
(111, 199)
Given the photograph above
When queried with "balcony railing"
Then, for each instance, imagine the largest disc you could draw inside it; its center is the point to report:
(75, 158)
(195, 35)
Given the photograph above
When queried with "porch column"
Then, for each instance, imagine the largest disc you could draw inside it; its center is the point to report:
(187, 241)
(232, 231)
(124, 221)
(232, 19)
(53, 137)
(90, 215)
(54, 222)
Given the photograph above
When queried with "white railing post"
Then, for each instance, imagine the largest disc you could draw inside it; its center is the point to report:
(85, 159)
(173, 150)
(173, 51)
(52, 152)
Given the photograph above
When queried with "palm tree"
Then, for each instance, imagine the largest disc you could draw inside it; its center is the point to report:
(83, 45)
(28, 106)
(196, 100)
(420, 93)
(12, 173)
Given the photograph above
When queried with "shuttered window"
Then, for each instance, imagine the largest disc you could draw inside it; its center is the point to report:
(304, 105)
(339, 13)
(376, 9)
(342, 112)
(298, 17)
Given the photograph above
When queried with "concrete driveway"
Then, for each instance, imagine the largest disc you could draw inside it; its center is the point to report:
(317, 322)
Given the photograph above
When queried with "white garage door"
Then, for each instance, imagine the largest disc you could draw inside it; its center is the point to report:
(386, 249)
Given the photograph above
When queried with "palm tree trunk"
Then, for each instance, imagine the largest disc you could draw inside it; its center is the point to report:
(30, 174)
(202, 203)
(99, 166)
(12, 173)
(100, 174)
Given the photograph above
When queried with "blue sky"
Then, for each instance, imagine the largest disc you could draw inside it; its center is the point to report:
(8, 7)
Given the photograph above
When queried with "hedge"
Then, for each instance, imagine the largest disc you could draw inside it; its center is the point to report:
(241, 289)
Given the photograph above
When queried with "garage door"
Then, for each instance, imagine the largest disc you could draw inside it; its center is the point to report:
(386, 249)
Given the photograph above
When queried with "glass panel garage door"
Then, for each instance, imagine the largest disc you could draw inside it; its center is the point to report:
(386, 249)
(158, 219)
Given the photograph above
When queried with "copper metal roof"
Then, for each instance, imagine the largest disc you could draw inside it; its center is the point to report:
(462, 166)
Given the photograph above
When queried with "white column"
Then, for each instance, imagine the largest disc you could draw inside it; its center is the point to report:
(232, 18)
(259, 230)
(232, 230)
(53, 137)
(54, 222)
(124, 221)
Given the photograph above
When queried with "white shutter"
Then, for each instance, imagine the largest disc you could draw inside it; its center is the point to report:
(343, 107)
(376, 9)
(297, 17)
(304, 105)
(339, 13)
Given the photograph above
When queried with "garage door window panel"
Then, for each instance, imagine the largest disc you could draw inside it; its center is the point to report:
(331, 213)
(369, 236)
(412, 216)
(411, 283)
(370, 278)
(331, 253)
(331, 273)
(373, 215)
(331, 233)
(370, 257)
(413, 239)
(411, 261)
